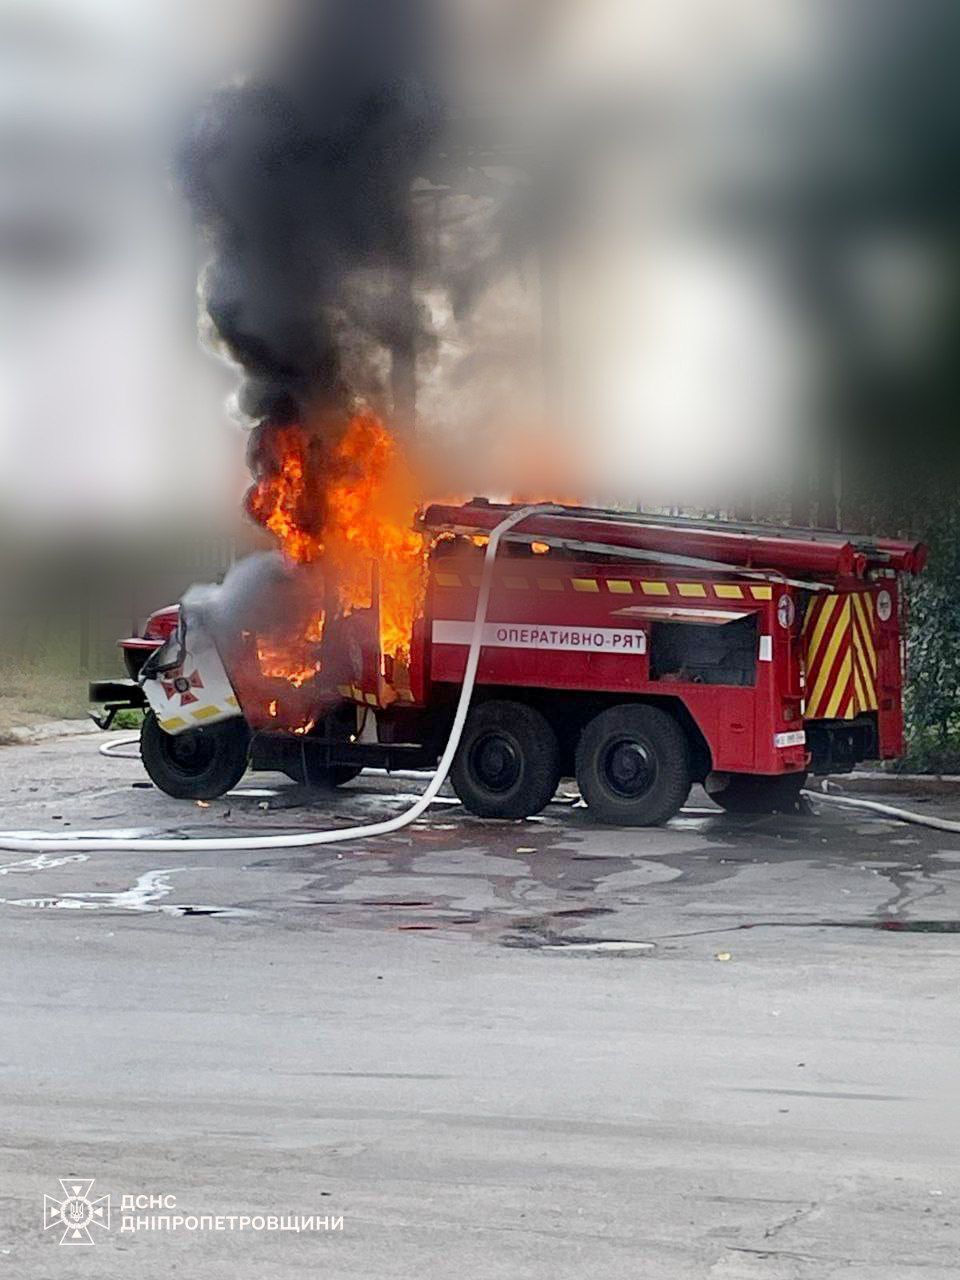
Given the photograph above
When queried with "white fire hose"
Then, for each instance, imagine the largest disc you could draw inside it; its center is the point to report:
(887, 810)
(307, 839)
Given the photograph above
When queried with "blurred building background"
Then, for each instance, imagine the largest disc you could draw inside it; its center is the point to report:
(706, 250)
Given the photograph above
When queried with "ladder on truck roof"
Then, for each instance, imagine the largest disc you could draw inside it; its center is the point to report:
(479, 517)
(741, 546)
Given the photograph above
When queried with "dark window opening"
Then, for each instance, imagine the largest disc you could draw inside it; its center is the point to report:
(704, 653)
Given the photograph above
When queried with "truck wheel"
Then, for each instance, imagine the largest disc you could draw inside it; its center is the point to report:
(200, 764)
(633, 766)
(508, 761)
(748, 793)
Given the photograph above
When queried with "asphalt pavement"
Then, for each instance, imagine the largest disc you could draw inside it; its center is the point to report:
(726, 1048)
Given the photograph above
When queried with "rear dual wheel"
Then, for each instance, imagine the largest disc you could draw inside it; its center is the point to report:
(508, 761)
(633, 766)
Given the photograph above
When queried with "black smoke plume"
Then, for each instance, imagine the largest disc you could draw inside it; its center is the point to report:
(301, 181)
(301, 178)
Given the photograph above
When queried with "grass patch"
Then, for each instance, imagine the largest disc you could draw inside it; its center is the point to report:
(131, 719)
(46, 684)
(34, 696)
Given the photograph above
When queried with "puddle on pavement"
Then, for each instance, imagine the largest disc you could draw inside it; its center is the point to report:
(144, 896)
(582, 913)
(537, 937)
(884, 926)
(533, 939)
(600, 945)
(916, 926)
(544, 933)
(888, 926)
(42, 862)
(82, 833)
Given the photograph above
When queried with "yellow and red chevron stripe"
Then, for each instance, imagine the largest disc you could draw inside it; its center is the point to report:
(840, 656)
(864, 652)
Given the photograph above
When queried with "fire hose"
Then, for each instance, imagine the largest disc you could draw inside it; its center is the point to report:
(112, 752)
(887, 811)
(307, 839)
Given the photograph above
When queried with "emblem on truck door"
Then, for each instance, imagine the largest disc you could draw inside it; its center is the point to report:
(175, 682)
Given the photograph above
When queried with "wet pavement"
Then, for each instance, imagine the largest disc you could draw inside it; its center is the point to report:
(724, 1048)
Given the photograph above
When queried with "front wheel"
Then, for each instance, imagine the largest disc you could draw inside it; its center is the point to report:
(199, 764)
(751, 793)
(633, 766)
(508, 761)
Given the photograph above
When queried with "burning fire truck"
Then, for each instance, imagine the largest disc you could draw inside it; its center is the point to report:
(636, 653)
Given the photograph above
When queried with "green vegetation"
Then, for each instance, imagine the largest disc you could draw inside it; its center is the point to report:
(128, 720)
(41, 678)
(33, 691)
(932, 701)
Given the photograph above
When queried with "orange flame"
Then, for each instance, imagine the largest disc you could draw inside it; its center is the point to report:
(288, 662)
(371, 509)
(280, 499)
(349, 506)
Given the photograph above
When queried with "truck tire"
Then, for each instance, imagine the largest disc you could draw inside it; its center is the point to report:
(508, 761)
(633, 766)
(200, 764)
(749, 793)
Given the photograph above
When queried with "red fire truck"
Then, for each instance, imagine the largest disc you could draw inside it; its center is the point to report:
(636, 653)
